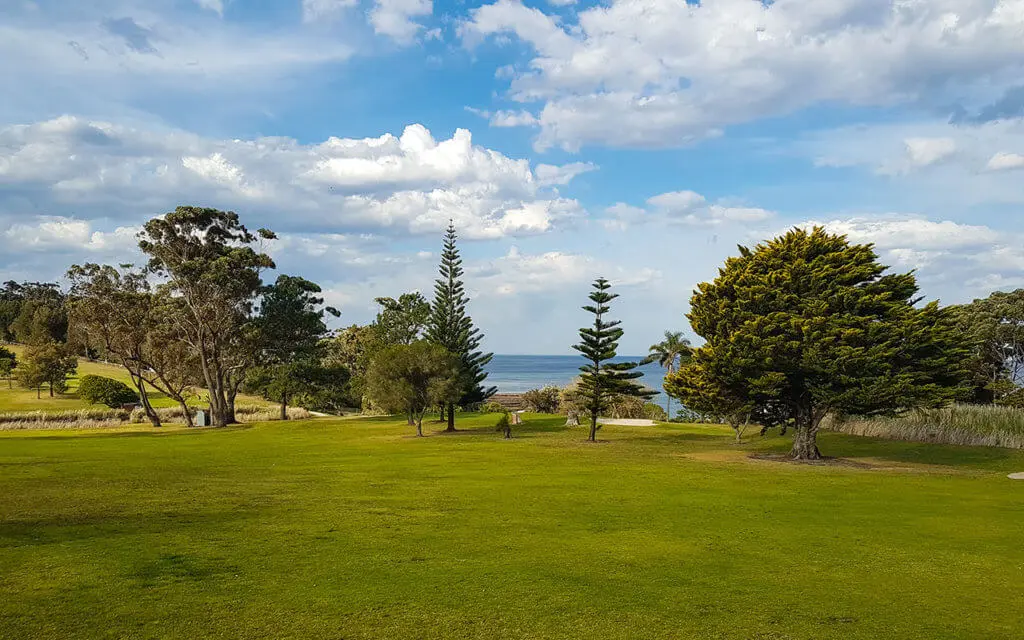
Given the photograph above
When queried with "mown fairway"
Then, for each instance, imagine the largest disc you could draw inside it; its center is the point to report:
(352, 529)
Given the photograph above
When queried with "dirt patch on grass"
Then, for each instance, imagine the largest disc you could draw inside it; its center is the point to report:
(823, 462)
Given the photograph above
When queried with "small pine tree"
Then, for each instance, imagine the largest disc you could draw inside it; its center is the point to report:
(450, 327)
(602, 380)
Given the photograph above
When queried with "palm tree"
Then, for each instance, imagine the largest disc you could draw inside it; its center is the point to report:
(673, 350)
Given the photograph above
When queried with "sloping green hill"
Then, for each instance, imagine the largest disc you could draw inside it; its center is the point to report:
(14, 398)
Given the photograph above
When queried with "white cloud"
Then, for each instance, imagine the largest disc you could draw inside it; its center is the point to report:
(662, 73)
(513, 119)
(314, 10)
(519, 273)
(957, 260)
(923, 152)
(395, 18)
(914, 233)
(407, 184)
(549, 174)
(96, 59)
(683, 207)
(929, 165)
(1004, 161)
(55, 234)
(216, 6)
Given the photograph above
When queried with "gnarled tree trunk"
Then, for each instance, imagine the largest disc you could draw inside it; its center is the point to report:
(805, 436)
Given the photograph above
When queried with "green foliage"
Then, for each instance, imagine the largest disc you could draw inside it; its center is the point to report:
(401, 321)
(492, 407)
(409, 379)
(669, 353)
(654, 412)
(32, 313)
(8, 361)
(807, 324)
(603, 381)
(543, 400)
(452, 328)
(99, 390)
(210, 268)
(993, 330)
(504, 425)
(48, 364)
(317, 386)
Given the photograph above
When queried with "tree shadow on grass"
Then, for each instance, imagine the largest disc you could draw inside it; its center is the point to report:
(71, 527)
(838, 445)
(155, 432)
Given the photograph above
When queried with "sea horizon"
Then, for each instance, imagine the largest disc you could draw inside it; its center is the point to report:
(512, 373)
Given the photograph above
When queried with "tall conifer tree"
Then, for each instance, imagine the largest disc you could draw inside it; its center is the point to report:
(450, 327)
(603, 380)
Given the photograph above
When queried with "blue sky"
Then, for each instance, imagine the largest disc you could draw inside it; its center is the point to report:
(639, 140)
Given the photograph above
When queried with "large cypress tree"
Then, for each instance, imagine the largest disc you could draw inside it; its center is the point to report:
(603, 380)
(450, 327)
(806, 325)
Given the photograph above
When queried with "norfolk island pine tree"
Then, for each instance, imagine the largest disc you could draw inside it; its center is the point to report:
(450, 327)
(603, 380)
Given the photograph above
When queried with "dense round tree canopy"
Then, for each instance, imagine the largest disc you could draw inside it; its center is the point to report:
(807, 324)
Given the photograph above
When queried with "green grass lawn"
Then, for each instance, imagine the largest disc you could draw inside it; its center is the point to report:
(350, 528)
(14, 398)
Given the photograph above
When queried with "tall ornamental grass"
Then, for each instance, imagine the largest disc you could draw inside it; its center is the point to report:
(962, 424)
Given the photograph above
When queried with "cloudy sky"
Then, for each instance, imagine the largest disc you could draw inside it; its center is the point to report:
(639, 140)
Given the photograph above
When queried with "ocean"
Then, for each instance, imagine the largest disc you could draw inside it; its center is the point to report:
(516, 374)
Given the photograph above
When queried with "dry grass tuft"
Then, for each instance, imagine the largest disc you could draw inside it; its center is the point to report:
(962, 424)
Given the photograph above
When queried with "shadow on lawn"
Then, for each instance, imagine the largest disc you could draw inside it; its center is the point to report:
(839, 445)
(149, 432)
(59, 529)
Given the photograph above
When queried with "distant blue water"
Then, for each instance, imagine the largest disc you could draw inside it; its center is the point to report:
(516, 374)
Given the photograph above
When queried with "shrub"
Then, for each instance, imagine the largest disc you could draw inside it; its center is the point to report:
(504, 426)
(542, 400)
(492, 407)
(655, 412)
(100, 390)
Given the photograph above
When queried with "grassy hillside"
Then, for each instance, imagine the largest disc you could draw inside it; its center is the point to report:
(353, 529)
(18, 399)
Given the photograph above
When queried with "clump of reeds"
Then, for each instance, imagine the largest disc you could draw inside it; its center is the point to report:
(961, 424)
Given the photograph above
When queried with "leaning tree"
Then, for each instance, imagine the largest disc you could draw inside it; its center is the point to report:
(451, 327)
(603, 380)
(808, 324)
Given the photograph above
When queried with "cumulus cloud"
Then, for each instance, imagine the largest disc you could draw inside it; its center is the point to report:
(662, 73)
(683, 207)
(928, 164)
(954, 259)
(912, 233)
(396, 18)
(553, 271)
(57, 234)
(408, 184)
(1004, 161)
